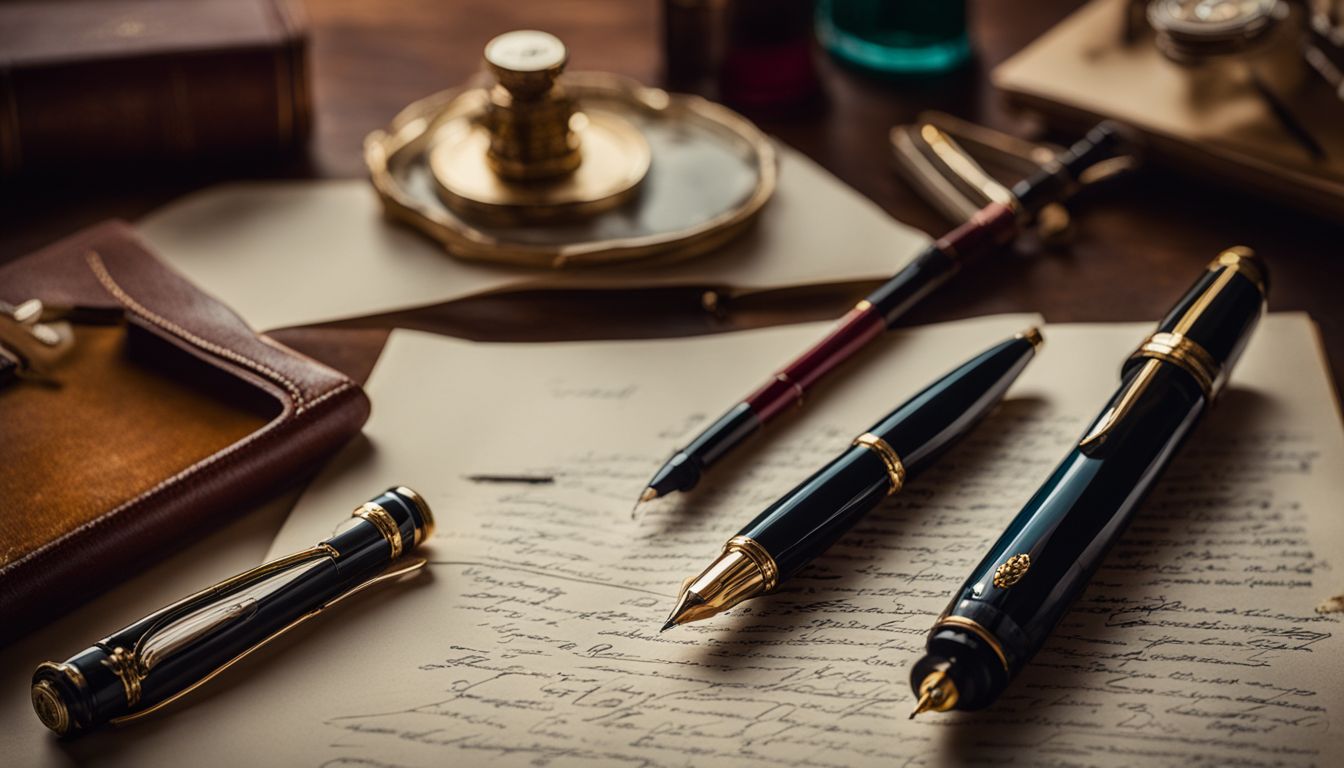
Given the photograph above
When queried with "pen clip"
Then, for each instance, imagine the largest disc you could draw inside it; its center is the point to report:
(1115, 416)
(194, 616)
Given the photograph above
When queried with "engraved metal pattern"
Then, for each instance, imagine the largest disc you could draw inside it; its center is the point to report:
(895, 469)
(122, 664)
(50, 708)
(1012, 570)
(763, 560)
(382, 520)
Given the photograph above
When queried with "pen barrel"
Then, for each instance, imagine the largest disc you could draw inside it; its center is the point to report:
(174, 649)
(811, 517)
(927, 424)
(1015, 597)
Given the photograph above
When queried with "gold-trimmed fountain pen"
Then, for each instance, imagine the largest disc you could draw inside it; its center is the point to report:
(1011, 602)
(144, 667)
(809, 519)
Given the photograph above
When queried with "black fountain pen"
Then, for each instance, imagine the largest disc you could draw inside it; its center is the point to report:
(811, 517)
(1017, 594)
(986, 231)
(166, 655)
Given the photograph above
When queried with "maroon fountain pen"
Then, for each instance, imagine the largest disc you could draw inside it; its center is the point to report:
(991, 227)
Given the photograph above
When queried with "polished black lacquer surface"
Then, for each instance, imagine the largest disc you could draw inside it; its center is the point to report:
(809, 519)
(1017, 594)
(167, 653)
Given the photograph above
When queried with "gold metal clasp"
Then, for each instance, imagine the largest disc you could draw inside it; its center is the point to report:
(34, 338)
(234, 599)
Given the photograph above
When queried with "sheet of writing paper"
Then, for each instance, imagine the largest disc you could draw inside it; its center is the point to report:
(533, 640)
(292, 253)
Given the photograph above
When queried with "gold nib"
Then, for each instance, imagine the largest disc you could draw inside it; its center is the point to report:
(649, 494)
(744, 570)
(937, 693)
(686, 604)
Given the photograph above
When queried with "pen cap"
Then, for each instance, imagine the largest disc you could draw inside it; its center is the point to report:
(1208, 328)
(410, 512)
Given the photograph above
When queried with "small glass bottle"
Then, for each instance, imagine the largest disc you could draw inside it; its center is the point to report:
(895, 36)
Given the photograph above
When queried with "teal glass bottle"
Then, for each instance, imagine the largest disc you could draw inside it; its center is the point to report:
(895, 37)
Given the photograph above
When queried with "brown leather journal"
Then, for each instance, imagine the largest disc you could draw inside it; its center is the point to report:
(167, 414)
(91, 81)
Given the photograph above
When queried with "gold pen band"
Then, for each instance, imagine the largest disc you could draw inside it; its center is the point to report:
(382, 520)
(762, 559)
(895, 469)
(1179, 350)
(974, 627)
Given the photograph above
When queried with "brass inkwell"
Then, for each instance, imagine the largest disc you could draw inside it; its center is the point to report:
(555, 170)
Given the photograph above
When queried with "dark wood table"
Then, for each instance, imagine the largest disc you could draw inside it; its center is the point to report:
(1136, 247)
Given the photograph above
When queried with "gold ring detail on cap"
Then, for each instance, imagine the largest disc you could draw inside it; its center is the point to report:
(974, 627)
(895, 469)
(1180, 351)
(382, 520)
(757, 554)
(425, 513)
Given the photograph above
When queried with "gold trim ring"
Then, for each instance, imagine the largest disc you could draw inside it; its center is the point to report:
(1180, 351)
(757, 554)
(382, 520)
(425, 514)
(974, 627)
(895, 469)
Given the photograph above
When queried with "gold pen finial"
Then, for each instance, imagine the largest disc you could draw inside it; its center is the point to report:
(936, 694)
(1033, 335)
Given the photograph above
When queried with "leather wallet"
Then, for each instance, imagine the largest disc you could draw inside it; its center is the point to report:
(166, 414)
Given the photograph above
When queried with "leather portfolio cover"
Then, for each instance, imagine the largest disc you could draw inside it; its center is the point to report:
(167, 414)
(92, 81)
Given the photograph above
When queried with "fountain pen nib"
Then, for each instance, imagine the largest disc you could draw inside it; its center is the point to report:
(923, 705)
(649, 494)
(686, 606)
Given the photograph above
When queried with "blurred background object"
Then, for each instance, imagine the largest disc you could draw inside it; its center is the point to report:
(767, 60)
(895, 36)
(694, 33)
(85, 83)
(1235, 91)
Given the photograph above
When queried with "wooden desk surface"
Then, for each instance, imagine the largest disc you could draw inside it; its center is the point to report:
(1137, 246)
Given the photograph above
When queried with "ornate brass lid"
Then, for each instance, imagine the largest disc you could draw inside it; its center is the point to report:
(565, 170)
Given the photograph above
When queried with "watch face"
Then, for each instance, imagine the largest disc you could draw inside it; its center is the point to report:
(1215, 12)
(1191, 29)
